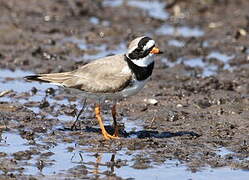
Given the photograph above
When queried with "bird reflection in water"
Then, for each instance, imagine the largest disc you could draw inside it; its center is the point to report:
(96, 168)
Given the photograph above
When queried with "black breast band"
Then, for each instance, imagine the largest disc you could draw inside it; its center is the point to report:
(141, 73)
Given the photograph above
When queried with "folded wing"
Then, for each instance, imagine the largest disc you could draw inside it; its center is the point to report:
(110, 74)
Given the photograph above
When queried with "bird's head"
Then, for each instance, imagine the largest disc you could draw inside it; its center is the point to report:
(141, 51)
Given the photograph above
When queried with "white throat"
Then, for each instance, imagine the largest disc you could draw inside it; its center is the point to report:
(144, 62)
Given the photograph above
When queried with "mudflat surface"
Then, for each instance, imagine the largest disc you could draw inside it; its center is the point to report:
(191, 121)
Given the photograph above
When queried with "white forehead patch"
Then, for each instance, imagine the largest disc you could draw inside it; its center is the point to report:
(149, 44)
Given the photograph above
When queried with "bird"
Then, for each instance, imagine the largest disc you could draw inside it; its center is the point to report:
(112, 77)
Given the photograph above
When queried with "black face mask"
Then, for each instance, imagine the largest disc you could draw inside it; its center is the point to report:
(139, 53)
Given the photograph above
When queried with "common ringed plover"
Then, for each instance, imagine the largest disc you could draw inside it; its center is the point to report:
(112, 77)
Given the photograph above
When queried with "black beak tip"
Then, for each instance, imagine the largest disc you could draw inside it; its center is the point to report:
(160, 52)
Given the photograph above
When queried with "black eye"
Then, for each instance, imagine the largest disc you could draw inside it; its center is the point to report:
(139, 53)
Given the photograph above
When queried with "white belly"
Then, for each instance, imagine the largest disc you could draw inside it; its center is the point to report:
(134, 89)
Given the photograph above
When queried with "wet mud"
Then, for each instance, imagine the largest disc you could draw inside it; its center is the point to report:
(191, 121)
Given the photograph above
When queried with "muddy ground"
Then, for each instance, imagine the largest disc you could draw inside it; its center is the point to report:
(199, 112)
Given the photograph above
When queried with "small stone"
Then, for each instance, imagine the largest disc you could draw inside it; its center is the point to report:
(34, 90)
(151, 101)
(50, 91)
(44, 104)
(47, 18)
(213, 25)
(179, 105)
(242, 32)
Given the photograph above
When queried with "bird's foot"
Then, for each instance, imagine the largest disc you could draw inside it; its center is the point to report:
(107, 136)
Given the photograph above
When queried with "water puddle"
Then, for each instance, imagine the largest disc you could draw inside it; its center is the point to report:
(97, 21)
(166, 62)
(121, 164)
(222, 57)
(195, 62)
(13, 80)
(12, 142)
(223, 152)
(131, 125)
(94, 20)
(59, 161)
(176, 43)
(79, 42)
(208, 68)
(111, 3)
(180, 31)
(205, 44)
(65, 157)
(155, 9)
(218, 173)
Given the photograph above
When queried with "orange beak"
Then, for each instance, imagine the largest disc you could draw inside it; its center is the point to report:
(156, 51)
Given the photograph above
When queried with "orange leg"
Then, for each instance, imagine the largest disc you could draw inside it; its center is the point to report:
(106, 135)
(115, 125)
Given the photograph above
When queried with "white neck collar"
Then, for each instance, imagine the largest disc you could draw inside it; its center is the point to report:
(144, 62)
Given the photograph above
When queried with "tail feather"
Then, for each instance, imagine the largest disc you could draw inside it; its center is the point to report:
(57, 78)
(35, 78)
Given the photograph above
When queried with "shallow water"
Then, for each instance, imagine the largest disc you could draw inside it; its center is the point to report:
(179, 31)
(222, 57)
(176, 43)
(223, 152)
(62, 160)
(209, 69)
(155, 9)
(112, 3)
(12, 142)
(16, 82)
